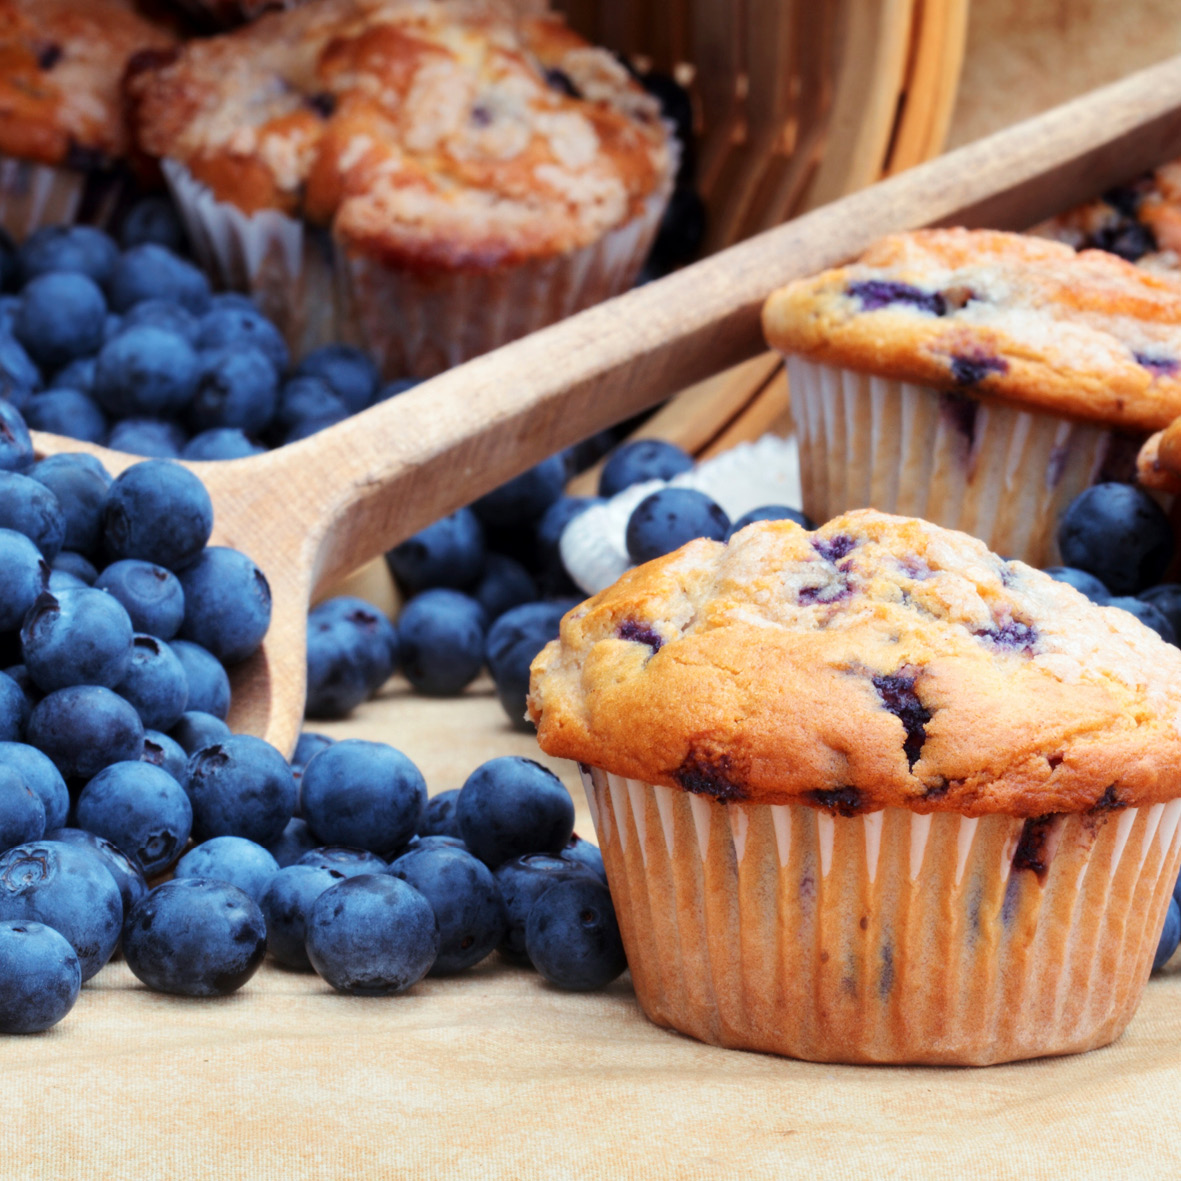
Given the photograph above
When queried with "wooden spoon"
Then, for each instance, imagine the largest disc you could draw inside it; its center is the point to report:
(310, 512)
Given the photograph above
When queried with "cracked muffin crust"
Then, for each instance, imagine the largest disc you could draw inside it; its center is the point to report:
(1006, 316)
(431, 134)
(878, 661)
(61, 69)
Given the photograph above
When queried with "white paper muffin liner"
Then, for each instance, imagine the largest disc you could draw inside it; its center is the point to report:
(1000, 473)
(413, 324)
(885, 937)
(593, 545)
(33, 195)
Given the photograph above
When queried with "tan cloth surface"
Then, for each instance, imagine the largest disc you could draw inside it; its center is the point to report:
(495, 1075)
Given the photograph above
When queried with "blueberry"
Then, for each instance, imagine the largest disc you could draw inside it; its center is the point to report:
(151, 438)
(80, 250)
(68, 412)
(442, 638)
(151, 596)
(29, 507)
(24, 575)
(153, 272)
(19, 377)
(77, 375)
(437, 841)
(465, 899)
(309, 745)
(60, 318)
(80, 484)
(39, 774)
(76, 566)
(584, 853)
(16, 447)
(243, 328)
(350, 373)
(14, 710)
(363, 794)
(209, 686)
(84, 729)
(1170, 936)
(681, 233)
(32, 695)
(306, 427)
(155, 683)
(196, 730)
(220, 443)
(668, 519)
(158, 512)
(67, 888)
(511, 806)
(549, 536)
(164, 314)
(438, 818)
(392, 389)
(227, 604)
(146, 371)
(771, 512)
(645, 459)
(286, 904)
(127, 873)
(372, 935)
(449, 553)
(76, 637)
(140, 809)
(306, 399)
(240, 787)
(349, 863)
(1166, 598)
(295, 841)
(238, 387)
(514, 640)
(526, 497)
(1119, 534)
(22, 814)
(152, 220)
(62, 580)
(195, 937)
(572, 937)
(40, 977)
(505, 584)
(522, 881)
(351, 650)
(166, 753)
(1148, 614)
(236, 860)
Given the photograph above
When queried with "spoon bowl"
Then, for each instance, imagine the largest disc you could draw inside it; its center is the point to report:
(315, 510)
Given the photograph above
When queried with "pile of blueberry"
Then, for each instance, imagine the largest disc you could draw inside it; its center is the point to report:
(129, 348)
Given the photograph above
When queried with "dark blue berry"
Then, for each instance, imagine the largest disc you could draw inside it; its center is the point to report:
(296, 840)
(220, 443)
(77, 375)
(240, 787)
(349, 863)
(197, 730)
(442, 641)
(165, 753)
(1148, 614)
(309, 745)
(1166, 598)
(514, 640)
(76, 637)
(80, 484)
(352, 650)
(236, 860)
(151, 596)
(449, 553)
(227, 604)
(584, 853)
(505, 584)
(874, 294)
(195, 937)
(238, 387)
(67, 888)
(526, 497)
(308, 399)
(572, 937)
(76, 566)
(81, 250)
(19, 377)
(146, 371)
(22, 814)
(126, 872)
(771, 512)
(84, 729)
(1119, 534)
(209, 685)
(140, 809)
(511, 806)
(372, 935)
(16, 447)
(24, 574)
(39, 774)
(152, 438)
(154, 272)
(60, 318)
(1170, 936)
(14, 710)
(243, 328)
(465, 899)
(40, 977)
(351, 374)
(645, 459)
(668, 519)
(164, 314)
(286, 904)
(438, 818)
(522, 881)
(29, 507)
(158, 512)
(152, 220)
(393, 388)
(155, 683)
(1084, 583)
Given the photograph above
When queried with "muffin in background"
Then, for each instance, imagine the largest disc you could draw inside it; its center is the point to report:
(63, 136)
(425, 178)
(872, 793)
(978, 379)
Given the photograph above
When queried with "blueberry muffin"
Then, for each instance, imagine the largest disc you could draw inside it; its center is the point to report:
(872, 793)
(975, 378)
(63, 135)
(425, 178)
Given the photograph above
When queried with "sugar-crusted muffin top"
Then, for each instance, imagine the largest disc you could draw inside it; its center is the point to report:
(61, 69)
(878, 661)
(427, 133)
(1009, 316)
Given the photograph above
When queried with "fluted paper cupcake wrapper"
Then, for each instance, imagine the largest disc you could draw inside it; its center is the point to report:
(413, 324)
(34, 195)
(886, 937)
(1000, 473)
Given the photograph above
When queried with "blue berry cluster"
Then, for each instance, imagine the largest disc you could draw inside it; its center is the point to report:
(131, 349)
